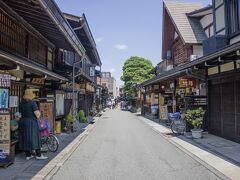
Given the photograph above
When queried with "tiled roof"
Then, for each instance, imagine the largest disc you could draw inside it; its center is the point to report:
(189, 28)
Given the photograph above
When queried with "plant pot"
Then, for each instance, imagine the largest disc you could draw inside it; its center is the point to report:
(197, 133)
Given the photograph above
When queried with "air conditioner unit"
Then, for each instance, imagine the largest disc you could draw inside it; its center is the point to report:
(169, 67)
(193, 57)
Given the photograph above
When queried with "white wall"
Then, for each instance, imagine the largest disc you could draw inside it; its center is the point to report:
(198, 50)
(235, 40)
(206, 20)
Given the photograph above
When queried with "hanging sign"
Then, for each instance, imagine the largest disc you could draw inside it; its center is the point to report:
(5, 80)
(38, 81)
(92, 71)
(3, 98)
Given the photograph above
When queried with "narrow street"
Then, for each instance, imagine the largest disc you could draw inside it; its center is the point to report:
(122, 147)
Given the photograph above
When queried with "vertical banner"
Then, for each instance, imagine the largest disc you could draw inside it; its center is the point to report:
(4, 98)
(4, 136)
(46, 109)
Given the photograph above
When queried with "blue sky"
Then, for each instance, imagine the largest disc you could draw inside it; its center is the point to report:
(122, 28)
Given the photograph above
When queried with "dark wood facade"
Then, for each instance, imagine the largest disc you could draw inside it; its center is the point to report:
(15, 38)
(224, 107)
(224, 86)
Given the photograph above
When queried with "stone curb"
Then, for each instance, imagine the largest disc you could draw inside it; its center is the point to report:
(221, 168)
(50, 169)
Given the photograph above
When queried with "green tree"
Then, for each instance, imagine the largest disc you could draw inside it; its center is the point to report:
(135, 71)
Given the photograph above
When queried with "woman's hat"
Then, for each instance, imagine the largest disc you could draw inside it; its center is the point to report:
(29, 94)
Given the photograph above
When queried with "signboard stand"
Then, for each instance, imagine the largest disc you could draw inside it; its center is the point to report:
(7, 151)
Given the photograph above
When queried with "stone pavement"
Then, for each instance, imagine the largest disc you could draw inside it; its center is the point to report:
(220, 154)
(23, 170)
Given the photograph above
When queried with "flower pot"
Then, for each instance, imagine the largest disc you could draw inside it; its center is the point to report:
(197, 133)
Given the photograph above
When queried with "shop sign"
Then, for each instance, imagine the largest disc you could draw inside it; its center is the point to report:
(186, 82)
(92, 71)
(156, 87)
(13, 101)
(59, 104)
(46, 109)
(4, 136)
(3, 98)
(38, 81)
(5, 80)
(163, 114)
(183, 82)
(171, 85)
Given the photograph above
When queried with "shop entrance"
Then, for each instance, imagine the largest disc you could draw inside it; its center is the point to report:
(224, 107)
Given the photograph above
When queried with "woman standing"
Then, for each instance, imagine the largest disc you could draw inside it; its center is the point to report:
(29, 136)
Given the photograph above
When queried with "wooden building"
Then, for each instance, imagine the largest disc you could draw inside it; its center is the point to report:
(221, 62)
(185, 27)
(38, 48)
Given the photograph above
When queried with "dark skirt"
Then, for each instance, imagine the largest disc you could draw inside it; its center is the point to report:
(29, 135)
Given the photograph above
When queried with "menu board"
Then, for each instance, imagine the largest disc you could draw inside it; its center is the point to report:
(163, 115)
(13, 101)
(59, 104)
(4, 136)
(46, 109)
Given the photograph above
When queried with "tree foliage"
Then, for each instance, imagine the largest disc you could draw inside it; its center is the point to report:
(135, 71)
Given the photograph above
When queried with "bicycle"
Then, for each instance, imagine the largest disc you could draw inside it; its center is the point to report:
(51, 141)
(47, 138)
(177, 123)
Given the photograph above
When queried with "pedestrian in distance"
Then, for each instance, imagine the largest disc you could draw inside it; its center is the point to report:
(29, 135)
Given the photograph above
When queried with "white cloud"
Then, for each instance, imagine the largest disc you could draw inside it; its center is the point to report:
(100, 39)
(121, 46)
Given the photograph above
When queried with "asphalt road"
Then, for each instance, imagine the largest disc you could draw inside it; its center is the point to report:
(122, 147)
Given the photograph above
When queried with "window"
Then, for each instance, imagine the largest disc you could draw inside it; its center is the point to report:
(209, 31)
(12, 36)
(233, 15)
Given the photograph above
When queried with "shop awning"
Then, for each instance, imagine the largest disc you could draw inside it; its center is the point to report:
(47, 19)
(200, 62)
(25, 63)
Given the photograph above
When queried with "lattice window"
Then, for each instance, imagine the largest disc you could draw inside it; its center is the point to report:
(12, 36)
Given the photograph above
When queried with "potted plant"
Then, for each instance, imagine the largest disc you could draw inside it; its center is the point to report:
(81, 117)
(69, 123)
(195, 117)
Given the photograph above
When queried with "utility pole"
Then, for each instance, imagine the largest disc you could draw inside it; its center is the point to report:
(73, 86)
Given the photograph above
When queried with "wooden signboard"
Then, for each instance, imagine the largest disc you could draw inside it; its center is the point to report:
(4, 137)
(38, 81)
(46, 109)
(163, 114)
